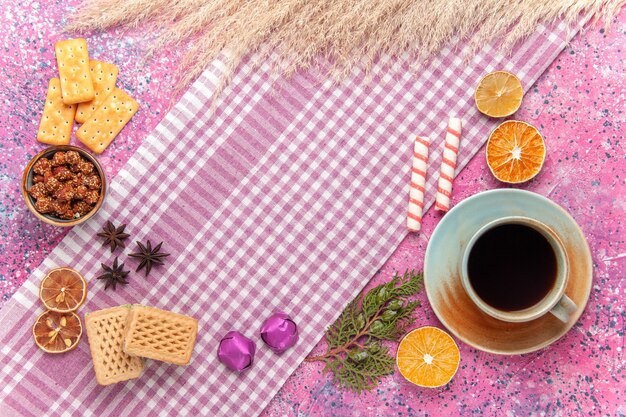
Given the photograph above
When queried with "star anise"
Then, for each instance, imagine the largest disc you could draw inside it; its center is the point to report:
(114, 236)
(114, 275)
(149, 256)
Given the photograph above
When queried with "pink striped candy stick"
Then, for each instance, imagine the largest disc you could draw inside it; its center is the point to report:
(448, 165)
(418, 179)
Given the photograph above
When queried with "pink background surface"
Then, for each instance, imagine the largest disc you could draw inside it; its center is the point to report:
(578, 105)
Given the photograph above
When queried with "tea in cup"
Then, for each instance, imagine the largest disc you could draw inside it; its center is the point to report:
(516, 269)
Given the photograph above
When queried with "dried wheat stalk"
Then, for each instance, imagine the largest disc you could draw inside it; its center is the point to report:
(291, 35)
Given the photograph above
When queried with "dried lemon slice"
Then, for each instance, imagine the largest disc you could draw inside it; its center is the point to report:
(63, 290)
(515, 152)
(428, 357)
(57, 332)
(499, 94)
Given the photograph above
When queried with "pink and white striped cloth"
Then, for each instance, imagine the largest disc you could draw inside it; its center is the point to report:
(288, 198)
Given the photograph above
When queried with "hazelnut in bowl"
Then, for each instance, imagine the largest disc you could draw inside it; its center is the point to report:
(64, 185)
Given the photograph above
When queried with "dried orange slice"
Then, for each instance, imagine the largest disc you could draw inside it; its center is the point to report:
(428, 357)
(57, 332)
(63, 290)
(499, 94)
(515, 152)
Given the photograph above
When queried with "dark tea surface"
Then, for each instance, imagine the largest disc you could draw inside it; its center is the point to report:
(512, 267)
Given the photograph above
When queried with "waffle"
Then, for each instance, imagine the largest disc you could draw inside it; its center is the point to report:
(159, 334)
(105, 331)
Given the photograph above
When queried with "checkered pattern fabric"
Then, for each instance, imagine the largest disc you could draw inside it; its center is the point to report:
(289, 197)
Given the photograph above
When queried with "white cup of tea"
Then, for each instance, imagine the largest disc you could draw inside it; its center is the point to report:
(516, 269)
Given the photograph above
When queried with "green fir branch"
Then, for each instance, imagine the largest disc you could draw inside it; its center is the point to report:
(354, 354)
(339, 333)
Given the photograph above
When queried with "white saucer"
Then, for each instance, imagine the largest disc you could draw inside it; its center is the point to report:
(451, 303)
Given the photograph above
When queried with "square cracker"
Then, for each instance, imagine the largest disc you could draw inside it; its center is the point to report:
(73, 62)
(104, 76)
(57, 119)
(107, 121)
(159, 334)
(105, 332)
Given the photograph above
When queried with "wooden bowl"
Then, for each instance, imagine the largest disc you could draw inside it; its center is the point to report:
(27, 182)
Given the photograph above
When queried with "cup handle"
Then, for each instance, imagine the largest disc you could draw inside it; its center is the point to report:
(564, 309)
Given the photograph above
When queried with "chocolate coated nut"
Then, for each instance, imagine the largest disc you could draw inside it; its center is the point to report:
(65, 193)
(62, 173)
(86, 167)
(41, 166)
(80, 192)
(37, 191)
(81, 208)
(58, 159)
(61, 207)
(92, 182)
(44, 205)
(52, 184)
(72, 157)
(92, 197)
